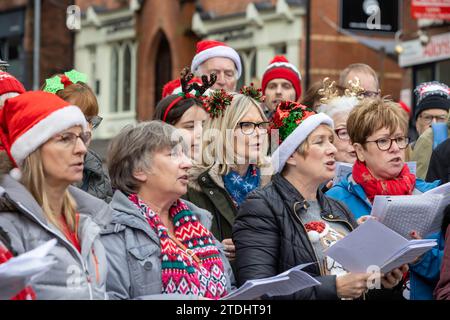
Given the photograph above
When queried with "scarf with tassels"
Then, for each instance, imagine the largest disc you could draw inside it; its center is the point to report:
(403, 184)
(190, 261)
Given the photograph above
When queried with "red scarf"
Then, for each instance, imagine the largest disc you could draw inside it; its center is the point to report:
(402, 185)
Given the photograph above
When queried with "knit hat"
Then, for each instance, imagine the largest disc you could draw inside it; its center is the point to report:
(208, 49)
(8, 84)
(432, 95)
(280, 68)
(295, 122)
(32, 118)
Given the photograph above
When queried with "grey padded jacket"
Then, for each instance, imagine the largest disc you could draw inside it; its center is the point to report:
(133, 253)
(75, 276)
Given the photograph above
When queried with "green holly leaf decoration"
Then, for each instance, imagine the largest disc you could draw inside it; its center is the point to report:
(53, 85)
(76, 76)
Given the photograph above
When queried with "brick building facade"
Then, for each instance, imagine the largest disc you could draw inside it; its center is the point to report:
(16, 38)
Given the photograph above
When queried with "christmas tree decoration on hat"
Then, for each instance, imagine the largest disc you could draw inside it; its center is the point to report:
(294, 123)
(288, 115)
(59, 82)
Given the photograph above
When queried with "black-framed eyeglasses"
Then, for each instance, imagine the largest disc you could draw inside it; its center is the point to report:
(69, 139)
(385, 143)
(248, 128)
(94, 121)
(428, 118)
(371, 94)
(342, 134)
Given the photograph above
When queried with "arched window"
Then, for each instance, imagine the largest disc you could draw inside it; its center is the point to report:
(126, 96)
(115, 80)
(163, 66)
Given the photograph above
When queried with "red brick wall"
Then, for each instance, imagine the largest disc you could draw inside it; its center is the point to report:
(57, 52)
(56, 40)
(11, 4)
(331, 51)
(109, 4)
(175, 22)
(223, 7)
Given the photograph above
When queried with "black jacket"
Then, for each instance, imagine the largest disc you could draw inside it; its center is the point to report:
(439, 167)
(270, 238)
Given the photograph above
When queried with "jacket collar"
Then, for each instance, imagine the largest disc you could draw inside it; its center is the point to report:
(296, 201)
(213, 172)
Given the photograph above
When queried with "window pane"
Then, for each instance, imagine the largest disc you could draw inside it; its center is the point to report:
(126, 103)
(443, 72)
(114, 80)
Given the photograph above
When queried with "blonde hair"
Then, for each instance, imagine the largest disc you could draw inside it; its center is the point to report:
(33, 179)
(215, 137)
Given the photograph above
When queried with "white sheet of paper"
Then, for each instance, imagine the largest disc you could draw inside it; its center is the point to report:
(283, 284)
(373, 244)
(422, 213)
(18, 272)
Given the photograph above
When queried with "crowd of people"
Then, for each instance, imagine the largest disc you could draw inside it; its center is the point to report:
(222, 186)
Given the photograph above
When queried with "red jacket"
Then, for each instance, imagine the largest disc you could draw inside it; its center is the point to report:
(442, 291)
(25, 294)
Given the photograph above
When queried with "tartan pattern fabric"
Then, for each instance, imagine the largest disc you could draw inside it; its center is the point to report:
(180, 273)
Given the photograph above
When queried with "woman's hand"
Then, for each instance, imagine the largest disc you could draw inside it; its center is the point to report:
(363, 219)
(352, 285)
(230, 250)
(393, 278)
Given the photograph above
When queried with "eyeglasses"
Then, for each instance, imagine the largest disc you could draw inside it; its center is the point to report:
(371, 94)
(69, 139)
(94, 121)
(385, 143)
(248, 128)
(342, 134)
(429, 118)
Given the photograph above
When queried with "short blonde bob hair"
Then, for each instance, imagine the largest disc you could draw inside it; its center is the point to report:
(216, 140)
(371, 115)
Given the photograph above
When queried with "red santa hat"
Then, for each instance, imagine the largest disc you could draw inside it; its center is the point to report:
(9, 84)
(32, 118)
(208, 49)
(280, 68)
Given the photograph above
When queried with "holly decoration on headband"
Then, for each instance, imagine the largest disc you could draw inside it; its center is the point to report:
(253, 92)
(58, 82)
(217, 102)
(200, 89)
(288, 116)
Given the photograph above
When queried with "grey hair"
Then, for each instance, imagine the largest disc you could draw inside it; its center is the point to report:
(339, 105)
(132, 150)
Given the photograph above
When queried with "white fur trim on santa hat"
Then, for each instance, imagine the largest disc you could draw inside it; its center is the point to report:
(284, 65)
(42, 131)
(291, 143)
(217, 52)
